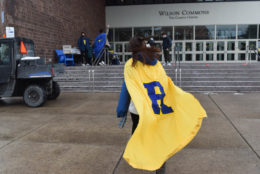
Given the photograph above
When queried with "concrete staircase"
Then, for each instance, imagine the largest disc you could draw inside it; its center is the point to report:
(228, 77)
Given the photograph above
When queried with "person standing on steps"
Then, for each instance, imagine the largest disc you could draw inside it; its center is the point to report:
(167, 44)
(84, 47)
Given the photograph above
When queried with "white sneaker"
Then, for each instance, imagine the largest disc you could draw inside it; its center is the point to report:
(87, 64)
(164, 64)
(83, 64)
(169, 64)
(103, 63)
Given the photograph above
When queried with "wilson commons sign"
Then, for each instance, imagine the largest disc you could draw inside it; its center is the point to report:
(184, 14)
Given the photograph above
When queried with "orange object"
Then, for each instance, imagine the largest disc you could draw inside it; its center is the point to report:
(23, 48)
(4, 36)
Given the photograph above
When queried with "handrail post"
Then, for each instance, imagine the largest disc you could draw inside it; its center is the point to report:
(93, 80)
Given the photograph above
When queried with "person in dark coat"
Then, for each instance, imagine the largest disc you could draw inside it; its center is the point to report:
(84, 46)
(167, 44)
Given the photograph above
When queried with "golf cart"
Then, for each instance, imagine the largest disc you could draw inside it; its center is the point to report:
(23, 74)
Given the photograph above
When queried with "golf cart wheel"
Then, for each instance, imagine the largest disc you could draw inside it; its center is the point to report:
(55, 91)
(34, 96)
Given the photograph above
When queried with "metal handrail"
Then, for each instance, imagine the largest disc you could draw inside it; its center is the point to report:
(100, 54)
(177, 65)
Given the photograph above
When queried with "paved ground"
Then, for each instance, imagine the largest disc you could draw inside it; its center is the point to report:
(78, 134)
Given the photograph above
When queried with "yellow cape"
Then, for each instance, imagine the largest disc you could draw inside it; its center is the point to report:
(169, 118)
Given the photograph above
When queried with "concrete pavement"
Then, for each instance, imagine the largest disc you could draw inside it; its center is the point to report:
(78, 134)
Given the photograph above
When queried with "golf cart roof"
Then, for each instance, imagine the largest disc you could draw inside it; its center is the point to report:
(18, 39)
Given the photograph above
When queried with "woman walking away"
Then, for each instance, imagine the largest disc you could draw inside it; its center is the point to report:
(165, 118)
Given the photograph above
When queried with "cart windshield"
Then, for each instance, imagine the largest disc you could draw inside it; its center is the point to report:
(29, 47)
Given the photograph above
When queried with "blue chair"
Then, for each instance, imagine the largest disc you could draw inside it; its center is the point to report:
(65, 58)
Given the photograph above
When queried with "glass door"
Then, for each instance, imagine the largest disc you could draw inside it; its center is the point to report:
(179, 50)
(200, 51)
(220, 51)
(242, 50)
(188, 51)
(210, 51)
(230, 51)
(252, 55)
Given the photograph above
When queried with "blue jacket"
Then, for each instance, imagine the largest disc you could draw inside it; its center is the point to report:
(81, 44)
(167, 43)
(99, 43)
(124, 99)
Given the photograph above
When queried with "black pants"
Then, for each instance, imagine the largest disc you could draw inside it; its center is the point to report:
(135, 120)
(85, 58)
(167, 56)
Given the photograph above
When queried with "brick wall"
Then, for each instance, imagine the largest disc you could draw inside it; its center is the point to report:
(53, 23)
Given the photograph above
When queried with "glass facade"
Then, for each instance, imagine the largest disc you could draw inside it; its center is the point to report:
(205, 32)
(143, 31)
(227, 43)
(158, 31)
(183, 33)
(226, 31)
(247, 31)
(123, 34)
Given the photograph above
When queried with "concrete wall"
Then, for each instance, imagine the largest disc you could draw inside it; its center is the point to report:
(184, 14)
(53, 23)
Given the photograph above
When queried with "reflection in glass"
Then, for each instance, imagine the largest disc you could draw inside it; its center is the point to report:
(178, 58)
(158, 45)
(247, 31)
(188, 46)
(209, 46)
(127, 47)
(188, 57)
(221, 46)
(120, 57)
(199, 46)
(231, 46)
(143, 31)
(205, 32)
(178, 46)
(209, 57)
(252, 45)
(242, 45)
(241, 56)
(5, 54)
(226, 32)
(119, 48)
(252, 56)
(183, 33)
(230, 57)
(220, 57)
(199, 57)
(159, 30)
(123, 34)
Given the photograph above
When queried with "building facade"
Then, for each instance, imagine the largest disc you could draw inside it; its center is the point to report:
(201, 32)
(52, 23)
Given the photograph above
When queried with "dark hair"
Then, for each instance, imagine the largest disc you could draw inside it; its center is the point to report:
(138, 48)
(101, 31)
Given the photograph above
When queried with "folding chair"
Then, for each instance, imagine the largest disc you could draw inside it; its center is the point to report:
(65, 58)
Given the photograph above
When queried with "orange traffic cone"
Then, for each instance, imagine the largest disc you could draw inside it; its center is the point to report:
(23, 48)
